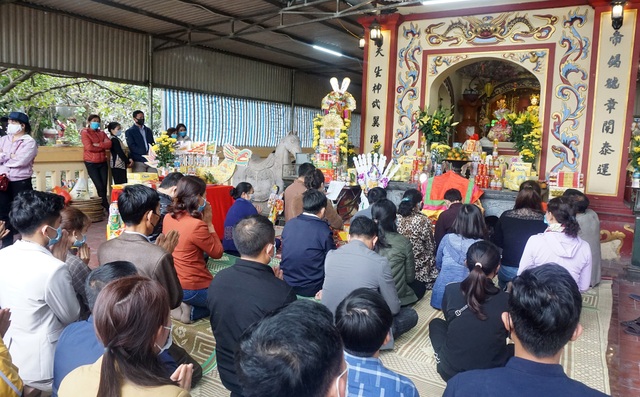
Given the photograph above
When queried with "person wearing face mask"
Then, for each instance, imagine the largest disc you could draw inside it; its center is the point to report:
(35, 281)
(95, 143)
(181, 130)
(241, 208)
(119, 159)
(139, 208)
(166, 191)
(17, 153)
(191, 218)
(139, 139)
(560, 244)
(245, 292)
(131, 319)
(77, 223)
(364, 321)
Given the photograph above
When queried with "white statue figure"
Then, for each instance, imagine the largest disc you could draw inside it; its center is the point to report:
(262, 174)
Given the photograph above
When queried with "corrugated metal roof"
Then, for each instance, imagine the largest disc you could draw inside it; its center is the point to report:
(205, 71)
(53, 42)
(201, 22)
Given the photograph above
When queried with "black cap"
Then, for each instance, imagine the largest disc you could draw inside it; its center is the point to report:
(19, 116)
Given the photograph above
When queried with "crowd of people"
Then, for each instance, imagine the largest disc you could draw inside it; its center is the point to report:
(314, 324)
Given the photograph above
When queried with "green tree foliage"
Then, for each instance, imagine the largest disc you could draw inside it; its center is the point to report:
(71, 100)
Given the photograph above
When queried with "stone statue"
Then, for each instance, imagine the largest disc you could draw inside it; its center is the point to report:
(262, 174)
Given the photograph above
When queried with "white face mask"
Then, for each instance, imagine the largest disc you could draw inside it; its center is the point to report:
(169, 341)
(13, 129)
(346, 386)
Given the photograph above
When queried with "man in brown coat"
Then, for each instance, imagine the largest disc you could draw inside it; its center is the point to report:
(139, 208)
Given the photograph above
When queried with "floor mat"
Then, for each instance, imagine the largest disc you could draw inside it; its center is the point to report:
(583, 360)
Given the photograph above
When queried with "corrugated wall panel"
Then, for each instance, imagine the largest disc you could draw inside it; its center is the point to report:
(194, 69)
(47, 41)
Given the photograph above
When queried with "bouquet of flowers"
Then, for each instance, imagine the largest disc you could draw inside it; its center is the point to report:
(635, 152)
(439, 152)
(436, 127)
(164, 150)
(526, 133)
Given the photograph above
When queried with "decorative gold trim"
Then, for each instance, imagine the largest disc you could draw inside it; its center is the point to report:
(610, 236)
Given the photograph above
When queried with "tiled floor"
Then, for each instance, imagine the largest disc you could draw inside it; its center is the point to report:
(623, 350)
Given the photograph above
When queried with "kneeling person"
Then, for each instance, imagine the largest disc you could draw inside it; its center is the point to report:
(544, 315)
(244, 293)
(355, 265)
(364, 321)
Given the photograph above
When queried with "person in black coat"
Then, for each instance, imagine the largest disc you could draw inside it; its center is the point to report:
(119, 159)
(139, 139)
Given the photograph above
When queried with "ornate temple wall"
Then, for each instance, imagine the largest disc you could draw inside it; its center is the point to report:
(587, 73)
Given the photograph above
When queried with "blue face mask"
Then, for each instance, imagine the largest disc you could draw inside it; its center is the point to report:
(174, 136)
(94, 125)
(203, 206)
(183, 133)
(53, 241)
(80, 243)
(546, 222)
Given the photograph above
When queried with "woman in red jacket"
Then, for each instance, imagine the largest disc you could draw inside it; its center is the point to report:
(190, 215)
(95, 142)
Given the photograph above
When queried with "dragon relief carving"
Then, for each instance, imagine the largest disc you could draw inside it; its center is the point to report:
(491, 30)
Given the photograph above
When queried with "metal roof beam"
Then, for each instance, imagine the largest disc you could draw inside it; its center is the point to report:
(341, 14)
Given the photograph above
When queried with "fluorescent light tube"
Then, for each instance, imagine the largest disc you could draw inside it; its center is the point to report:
(328, 51)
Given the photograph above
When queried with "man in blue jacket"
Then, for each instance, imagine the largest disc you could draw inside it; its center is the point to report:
(139, 139)
(306, 239)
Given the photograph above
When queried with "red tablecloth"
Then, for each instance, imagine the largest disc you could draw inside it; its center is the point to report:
(220, 199)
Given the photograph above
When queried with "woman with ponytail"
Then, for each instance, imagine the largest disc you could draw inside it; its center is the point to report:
(398, 251)
(560, 244)
(416, 226)
(131, 319)
(516, 226)
(242, 207)
(468, 228)
(472, 336)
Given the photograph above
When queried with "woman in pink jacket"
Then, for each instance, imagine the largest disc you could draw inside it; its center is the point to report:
(560, 244)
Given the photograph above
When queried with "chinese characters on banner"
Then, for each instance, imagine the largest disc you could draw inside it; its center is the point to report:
(610, 106)
(376, 97)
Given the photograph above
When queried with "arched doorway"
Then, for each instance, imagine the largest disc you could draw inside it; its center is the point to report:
(472, 83)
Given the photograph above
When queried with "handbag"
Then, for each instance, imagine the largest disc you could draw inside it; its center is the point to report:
(4, 182)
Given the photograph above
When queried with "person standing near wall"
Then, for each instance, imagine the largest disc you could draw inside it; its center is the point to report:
(17, 152)
(139, 138)
(95, 143)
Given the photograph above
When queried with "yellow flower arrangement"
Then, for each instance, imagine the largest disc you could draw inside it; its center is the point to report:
(342, 138)
(165, 150)
(376, 147)
(439, 150)
(317, 123)
(526, 134)
(437, 126)
(635, 152)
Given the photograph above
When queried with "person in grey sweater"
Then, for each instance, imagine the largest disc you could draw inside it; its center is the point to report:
(355, 265)
(589, 231)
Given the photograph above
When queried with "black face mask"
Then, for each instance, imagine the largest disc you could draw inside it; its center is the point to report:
(140, 121)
